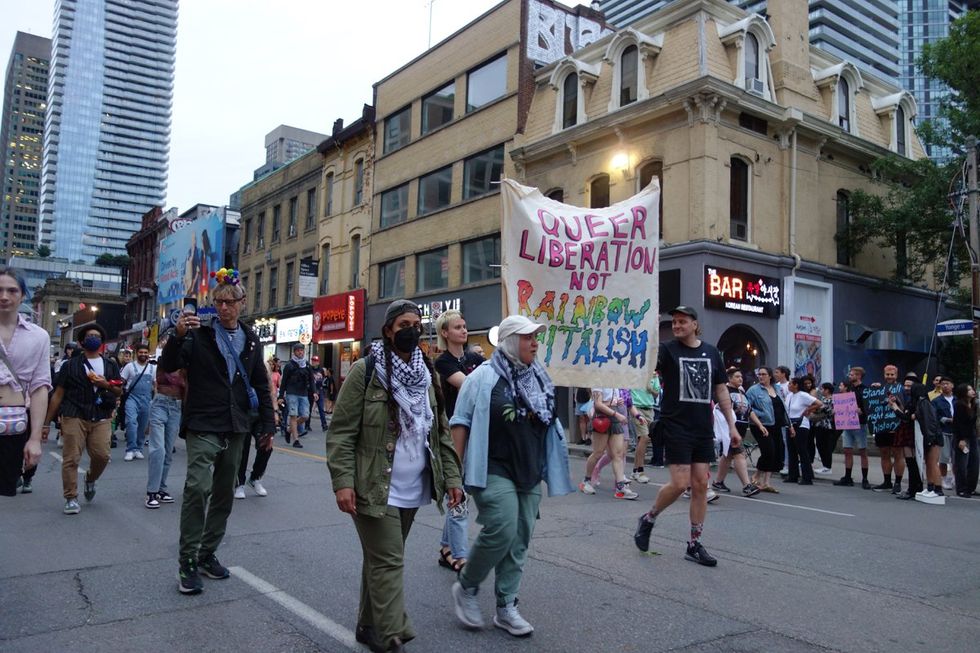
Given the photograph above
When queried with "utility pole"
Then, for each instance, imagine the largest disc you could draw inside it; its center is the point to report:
(974, 223)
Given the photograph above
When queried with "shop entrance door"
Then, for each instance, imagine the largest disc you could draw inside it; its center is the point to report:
(742, 347)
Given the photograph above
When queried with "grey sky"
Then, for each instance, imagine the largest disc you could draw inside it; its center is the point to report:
(246, 66)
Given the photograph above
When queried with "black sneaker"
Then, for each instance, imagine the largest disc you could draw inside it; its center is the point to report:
(368, 636)
(883, 487)
(164, 497)
(720, 487)
(211, 568)
(866, 484)
(152, 502)
(89, 490)
(26, 488)
(696, 553)
(845, 481)
(751, 490)
(190, 580)
(298, 444)
(897, 489)
(642, 535)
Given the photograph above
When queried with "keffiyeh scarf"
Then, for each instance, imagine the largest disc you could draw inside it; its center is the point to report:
(530, 382)
(409, 384)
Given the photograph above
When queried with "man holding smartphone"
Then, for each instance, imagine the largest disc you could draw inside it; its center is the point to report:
(227, 391)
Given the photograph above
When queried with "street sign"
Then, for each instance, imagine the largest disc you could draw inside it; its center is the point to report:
(308, 272)
(954, 328)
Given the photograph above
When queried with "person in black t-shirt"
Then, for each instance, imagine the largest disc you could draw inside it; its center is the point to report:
(454, 364)
(693, 377)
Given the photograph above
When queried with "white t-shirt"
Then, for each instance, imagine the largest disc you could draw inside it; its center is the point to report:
(133, 369)
(98, 365)
(796, 405)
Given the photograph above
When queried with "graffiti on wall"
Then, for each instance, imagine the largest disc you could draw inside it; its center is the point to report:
(553, 33)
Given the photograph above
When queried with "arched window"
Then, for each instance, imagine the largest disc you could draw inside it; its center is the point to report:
(751, 62)
(844, 104)
(900, 145)
(628, 78)
(599, 192)
(647, 173)
(328, 191)
(843, 228)
(556, 194)
(569, 101)
(355, 261)
(739, 200)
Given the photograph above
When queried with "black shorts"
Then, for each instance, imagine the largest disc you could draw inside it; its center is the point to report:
(681, 450)
(11, 462)
(884, 439)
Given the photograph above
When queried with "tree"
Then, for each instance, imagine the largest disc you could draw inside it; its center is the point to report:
(912, 216)
(953, 60)
(44, 251)
(111, 261)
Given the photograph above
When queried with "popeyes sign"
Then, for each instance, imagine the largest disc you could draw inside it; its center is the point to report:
(339, 317)
(729, 290)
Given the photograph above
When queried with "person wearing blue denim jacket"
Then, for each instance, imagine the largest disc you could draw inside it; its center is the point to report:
(506, 431)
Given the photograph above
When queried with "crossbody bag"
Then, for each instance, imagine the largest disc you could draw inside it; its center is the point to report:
(13, 419)
(253, 397)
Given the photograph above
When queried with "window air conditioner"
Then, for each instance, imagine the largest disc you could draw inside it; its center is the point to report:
(292, 230)
(756, 87)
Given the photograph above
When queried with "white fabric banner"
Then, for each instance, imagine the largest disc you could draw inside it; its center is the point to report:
(590, 276)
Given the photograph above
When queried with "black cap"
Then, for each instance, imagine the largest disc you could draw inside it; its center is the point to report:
(686, 310)
(90, 326)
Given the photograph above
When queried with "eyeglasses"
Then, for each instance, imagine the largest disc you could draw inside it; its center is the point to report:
(226, 302)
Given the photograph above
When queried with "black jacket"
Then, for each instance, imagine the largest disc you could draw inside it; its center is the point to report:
(213, 404)
(296, 380)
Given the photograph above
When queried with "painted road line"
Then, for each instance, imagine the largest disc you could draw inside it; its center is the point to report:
(776, 503)
(302, 454)
(298, 608)
(57, 456)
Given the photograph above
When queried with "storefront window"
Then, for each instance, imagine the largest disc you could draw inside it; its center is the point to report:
(742, 347)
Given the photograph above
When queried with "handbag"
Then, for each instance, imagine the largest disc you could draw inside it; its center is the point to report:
(13, 419)
(601, 423)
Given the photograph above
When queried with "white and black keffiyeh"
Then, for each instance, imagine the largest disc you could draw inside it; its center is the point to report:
(409, 385)
(530, 382)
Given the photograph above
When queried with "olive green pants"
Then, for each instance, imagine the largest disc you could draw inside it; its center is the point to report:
(209, 492)
(507, 516)
(382, 581)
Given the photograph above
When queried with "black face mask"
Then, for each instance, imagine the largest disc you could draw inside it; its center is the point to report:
(407, 339)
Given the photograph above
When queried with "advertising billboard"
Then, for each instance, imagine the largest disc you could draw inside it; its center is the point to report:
(187, 258)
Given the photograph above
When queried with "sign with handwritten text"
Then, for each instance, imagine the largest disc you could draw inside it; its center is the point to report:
(881, 418)
(846, 411)
(590, 276)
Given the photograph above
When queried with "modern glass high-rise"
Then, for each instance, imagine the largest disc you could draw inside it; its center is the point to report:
(21, 134)
(925, 21)
(107, 129)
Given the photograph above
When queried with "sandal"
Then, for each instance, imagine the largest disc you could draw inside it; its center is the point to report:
(447, 560)
(770, 489)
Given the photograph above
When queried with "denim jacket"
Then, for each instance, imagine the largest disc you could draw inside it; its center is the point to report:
(761, 404)
(473, 412)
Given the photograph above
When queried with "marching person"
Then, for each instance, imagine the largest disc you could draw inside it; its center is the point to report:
(165, 412)
(262, 454)
(318, 377)
(86, 391)
(694, 376)
(139, 377)
(506, 429)
(25, 378)
(297, 387)
(389, 453)
(227, 390)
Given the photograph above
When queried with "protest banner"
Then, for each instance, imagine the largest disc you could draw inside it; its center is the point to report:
(590, 276)
(846, 411)
(881, 418)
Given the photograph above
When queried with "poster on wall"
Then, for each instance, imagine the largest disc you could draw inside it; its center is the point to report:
(187, 258)
(807, 356)
(591, 277)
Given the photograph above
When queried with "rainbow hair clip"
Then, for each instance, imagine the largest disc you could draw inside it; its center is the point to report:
(227, 276)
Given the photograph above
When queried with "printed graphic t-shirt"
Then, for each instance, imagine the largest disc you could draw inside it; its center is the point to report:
(689, 376)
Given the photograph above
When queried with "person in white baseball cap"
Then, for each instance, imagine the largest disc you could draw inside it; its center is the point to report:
(505, 423)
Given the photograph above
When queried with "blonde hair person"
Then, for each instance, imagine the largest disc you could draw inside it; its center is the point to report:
(443, 323)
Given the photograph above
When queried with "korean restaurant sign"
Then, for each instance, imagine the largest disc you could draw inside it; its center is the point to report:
(742, 292)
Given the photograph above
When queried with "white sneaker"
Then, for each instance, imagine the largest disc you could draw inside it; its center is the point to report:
(467, 607)
(129, 456)
(640, 477)
(586, 488)
(948, 482)
(511, 620)
(712, 495)
(240, 492)
(625, 493)
(60, 443)
(784, 471)
(258, 487)
(823, 470)
(687, 493)
(138, 455)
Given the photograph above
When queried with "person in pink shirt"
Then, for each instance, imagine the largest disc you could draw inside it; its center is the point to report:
(25, 378)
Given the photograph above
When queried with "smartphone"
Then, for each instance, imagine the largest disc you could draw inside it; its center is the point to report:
(190, 305)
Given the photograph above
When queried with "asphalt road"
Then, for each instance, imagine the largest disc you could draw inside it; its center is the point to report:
(811, 569)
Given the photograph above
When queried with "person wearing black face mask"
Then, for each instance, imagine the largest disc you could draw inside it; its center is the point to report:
(390, 403)
(86, 390)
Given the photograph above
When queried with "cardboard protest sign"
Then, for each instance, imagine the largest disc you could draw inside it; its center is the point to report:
(590, 276)
(881, 418)
(846, 411)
